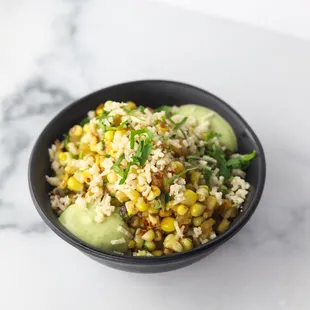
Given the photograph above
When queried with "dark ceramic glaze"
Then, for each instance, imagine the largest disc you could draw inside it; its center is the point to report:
(151, 93)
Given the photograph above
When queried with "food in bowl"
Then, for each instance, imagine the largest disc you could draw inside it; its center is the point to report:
(133, 180)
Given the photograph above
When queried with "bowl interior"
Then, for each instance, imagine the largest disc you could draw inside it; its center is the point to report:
(153, 94)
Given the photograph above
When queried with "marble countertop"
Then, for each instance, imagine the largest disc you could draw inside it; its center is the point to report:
(57, 51)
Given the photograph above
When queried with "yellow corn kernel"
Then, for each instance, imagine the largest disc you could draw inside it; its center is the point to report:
(74, 185)
(230, 213)
(155, 190)
(139, 242)
(174, 244)
(130, 206)
(99, 109)
(93, 141)
(226, 204)
(168, 238)
(64, 181)
(207, 225)
(86, 128)
(177, 166)
(205, 186)
(112, 177)
(168, 251)
(149, 245)
(187, 244)
(152, 210)
(161, 128)
(121, 197)
(169, 204)
(109, 136)
(158, 253)
(110, 188)
(167, 224)
(202, 194)
(131, 105)
(196, 209)
(76, 131)
(149, 235)
(198, 220)
(210, 203)
(164, 212)
(119, 133)
(141, 205)
(158, 235)
(153, 219)
(131, 244)
(151, 196)
(62, 156)
(86, 176)
(133, 195)
(189, 197)
(223, 225)
(181, 209)
(195, 176)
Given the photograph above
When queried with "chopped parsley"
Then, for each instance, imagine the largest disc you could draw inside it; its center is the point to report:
(241, 162)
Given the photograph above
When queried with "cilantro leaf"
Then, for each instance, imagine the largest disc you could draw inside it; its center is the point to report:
(207, 174)
(169, 181)
(85, 121)
(224, 171)
(241, 162)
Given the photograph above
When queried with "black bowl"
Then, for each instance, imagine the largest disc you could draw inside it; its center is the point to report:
(153, 94)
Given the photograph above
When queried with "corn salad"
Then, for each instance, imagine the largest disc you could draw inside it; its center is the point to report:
(170, 179)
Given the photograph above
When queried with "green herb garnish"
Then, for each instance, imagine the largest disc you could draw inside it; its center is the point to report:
(121, 126)
(165, 108)
(207, 174)
(139, 132)
(167, 197)
(178, 125)
(84, 121)
(66, 139)
(116, 167)
(241, 162)
(157, 204)
(169, 181)
(81, 155)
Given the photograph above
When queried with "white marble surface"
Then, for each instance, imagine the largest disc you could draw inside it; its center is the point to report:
(54, 51)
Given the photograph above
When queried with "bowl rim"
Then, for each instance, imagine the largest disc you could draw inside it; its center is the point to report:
(145, 260)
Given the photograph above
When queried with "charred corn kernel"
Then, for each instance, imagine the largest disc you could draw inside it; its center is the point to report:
(226, 204)
(74, 185)
(181, 209)
(196, 209)
(134, 221)
(158, 236)
(187, 244)
(149, 235)
(133, 195)
(130, 206)
(158, 253)
(86, 176)
(167, 224)
(99, 109)
(131, 244)
(168, 251)
(64, 181)
(230, 213)
(202, 194)
(122, 197)
(112, 177)
(164, 212)
(153, 219)
(206, 226)
(223, 225)
(155, 190)
(189, 198)
(139, 241)
(190, 186)
(195, 176)
(141, 205)
(76, 131)
(86, 128)
(210, 203)
(198, 220)
(149, 245)
(177, 166)
(131, 105)
(109, 136)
